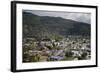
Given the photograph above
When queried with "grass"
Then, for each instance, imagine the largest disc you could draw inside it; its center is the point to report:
(68, 58)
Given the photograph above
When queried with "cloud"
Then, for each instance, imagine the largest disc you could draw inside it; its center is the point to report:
(81, 17)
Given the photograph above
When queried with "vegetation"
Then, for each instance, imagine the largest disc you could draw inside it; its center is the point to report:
(44, 26)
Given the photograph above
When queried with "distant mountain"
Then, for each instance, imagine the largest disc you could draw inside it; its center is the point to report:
(34, 25)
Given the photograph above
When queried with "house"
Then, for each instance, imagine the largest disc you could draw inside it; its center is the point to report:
(76, 52)
(56, 58)
(59, 52)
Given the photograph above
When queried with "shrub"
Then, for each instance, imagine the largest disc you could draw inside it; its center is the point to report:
(69, 54)
(83, 56)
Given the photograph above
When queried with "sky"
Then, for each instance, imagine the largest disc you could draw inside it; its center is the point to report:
(76, 16)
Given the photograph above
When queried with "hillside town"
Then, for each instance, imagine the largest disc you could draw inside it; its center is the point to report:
(70, 48)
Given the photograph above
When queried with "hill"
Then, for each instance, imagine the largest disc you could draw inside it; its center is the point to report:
(44, 26)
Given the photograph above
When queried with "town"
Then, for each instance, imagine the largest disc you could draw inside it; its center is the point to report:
(67, 49)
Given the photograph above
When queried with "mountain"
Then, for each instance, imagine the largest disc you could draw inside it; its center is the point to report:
(34, 25)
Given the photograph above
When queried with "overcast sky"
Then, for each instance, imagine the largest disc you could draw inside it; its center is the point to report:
(81, 17)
